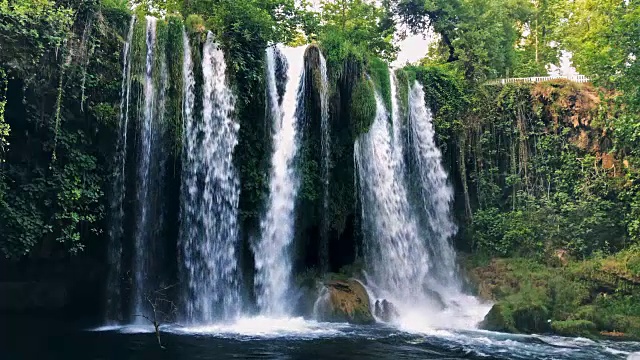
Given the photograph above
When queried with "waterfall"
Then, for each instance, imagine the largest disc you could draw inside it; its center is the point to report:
(408, 254)
(113, 298)
(209, 233)
(326, 162)
(141, 261)
(435, 190)
(151, 160)
(397, 127)
(396, 259)
(272, 258)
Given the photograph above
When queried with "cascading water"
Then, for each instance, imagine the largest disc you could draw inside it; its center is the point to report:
(410, 263)
(436, 192)
(272, 258)
(209, 234)
(141, 262)
(396, 260)
(114, 302)
(151, 160)
(326, 161)
(397, 128)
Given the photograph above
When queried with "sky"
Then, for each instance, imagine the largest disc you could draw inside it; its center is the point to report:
(412, 49)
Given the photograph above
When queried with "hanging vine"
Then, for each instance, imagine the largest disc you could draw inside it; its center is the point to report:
(4, 127)
(63, 69)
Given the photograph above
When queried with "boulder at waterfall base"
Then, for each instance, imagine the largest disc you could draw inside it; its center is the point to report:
(385, 310)
(347, 301)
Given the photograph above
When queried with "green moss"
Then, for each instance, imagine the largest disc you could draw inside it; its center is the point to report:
(160, 59)
(499, 319)
(517, 317)
(4, 128)
(531, 318)
(403, 84)
(584, 328)
(363, 106)
(378, 70)
(175, 54)
(139, 49)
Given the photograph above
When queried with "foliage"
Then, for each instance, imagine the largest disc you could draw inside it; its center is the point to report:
(4, 128)
(30, 29)
(446, 94)
(476, 35)
(55, 207)
(536, 157)
(194, 24)
(582, 298)
(603, 38)
(574, 327)
(357, 29)
(539, 47)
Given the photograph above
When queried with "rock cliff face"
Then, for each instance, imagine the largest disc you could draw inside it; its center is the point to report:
(344, 301)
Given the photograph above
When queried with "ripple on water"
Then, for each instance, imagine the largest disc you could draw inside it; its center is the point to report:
(249, 327)
(471, 342)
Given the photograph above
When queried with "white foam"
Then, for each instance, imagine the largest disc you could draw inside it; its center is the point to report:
(465, 316)
(634, 356)
(106, 328)
(126, 329)
(618, 352)
(268, 327)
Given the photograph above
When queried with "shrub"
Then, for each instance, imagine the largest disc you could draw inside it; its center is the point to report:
(574, 327)
(195, 24)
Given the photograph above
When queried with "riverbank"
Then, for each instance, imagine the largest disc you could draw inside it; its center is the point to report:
(594, 298)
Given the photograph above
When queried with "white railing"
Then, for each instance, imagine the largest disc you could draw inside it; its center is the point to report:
(574, 78)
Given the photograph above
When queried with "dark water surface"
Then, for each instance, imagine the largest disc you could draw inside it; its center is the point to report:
(41, 338)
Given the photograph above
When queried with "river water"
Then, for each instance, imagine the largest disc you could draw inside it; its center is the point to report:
(293, 338)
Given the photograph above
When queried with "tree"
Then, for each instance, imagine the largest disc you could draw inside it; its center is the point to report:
(540, 45)
(478, 35)
(603, 36)
(163, 310)
(356, 27)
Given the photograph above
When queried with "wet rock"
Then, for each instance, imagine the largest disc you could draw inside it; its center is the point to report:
(344, 301)
(435, 298)
(385, 310)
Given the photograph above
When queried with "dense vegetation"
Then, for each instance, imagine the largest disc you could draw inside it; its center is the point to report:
(546, 172)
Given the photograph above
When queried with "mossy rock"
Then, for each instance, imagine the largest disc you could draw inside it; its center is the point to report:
(312, 63)
(517, 318)
(363, 106)
(531, 318)
(497, 319)
(583, 328)
(346, 301)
